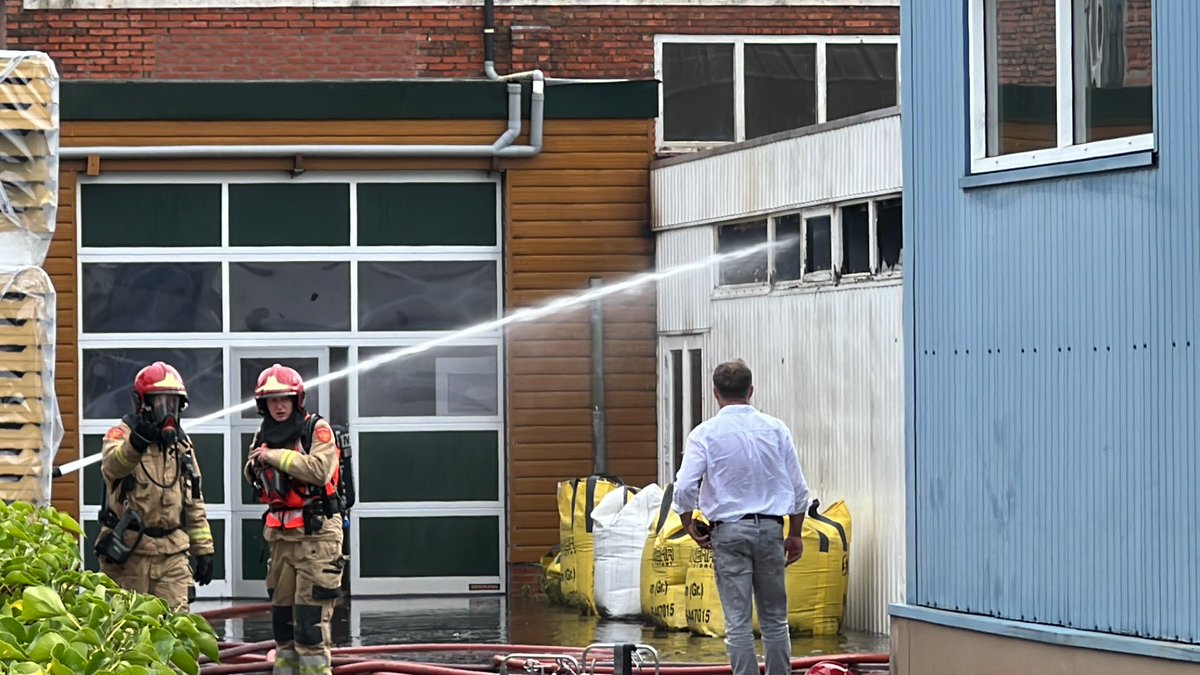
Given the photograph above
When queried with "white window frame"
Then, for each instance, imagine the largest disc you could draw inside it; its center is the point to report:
(234, 343)
(667, 402)
(1067, 149)
(739, 43)
(821, 279)
(753, 287)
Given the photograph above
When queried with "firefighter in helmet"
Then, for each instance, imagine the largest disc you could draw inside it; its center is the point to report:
(294, 467)
(153, 514)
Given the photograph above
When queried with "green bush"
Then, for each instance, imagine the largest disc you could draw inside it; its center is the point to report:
(57, 618)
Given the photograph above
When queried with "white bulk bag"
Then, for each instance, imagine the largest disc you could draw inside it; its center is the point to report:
(620, 530)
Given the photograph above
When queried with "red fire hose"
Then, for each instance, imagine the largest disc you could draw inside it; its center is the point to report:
(237, 658)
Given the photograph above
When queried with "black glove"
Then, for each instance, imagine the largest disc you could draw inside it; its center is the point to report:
(143, 431)
(204, 569)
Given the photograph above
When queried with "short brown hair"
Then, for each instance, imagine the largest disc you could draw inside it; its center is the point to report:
(732, 379)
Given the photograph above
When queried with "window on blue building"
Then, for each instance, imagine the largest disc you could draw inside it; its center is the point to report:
(1059, 80)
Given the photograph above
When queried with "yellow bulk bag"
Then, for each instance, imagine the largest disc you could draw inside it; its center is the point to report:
(647, 572)
(576, 499)
(704, 613)
(664, 568)
(552, 575)
(817, 583)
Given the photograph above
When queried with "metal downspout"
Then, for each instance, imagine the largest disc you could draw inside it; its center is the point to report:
(599, 418)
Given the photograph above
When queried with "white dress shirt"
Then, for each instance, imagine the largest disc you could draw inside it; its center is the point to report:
(738, 463)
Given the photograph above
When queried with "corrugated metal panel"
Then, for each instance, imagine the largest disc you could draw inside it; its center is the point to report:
(828, 166)
(830, 364)
(683, 300)
(1054, 363)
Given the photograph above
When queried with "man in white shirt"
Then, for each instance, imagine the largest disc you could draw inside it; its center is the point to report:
(740, 469)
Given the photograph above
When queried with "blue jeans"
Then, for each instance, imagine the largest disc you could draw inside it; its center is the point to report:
(749, 563)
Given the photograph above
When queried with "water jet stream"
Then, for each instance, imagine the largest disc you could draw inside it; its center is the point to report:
(522, 315)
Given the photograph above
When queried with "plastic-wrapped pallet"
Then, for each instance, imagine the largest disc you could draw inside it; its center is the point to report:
(30, 426)
(29, 132)
(620, 538)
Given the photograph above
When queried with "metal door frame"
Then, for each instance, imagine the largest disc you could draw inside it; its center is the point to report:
(667, 402)
(239, 586)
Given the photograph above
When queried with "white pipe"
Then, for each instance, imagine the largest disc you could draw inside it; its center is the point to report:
(502, 147)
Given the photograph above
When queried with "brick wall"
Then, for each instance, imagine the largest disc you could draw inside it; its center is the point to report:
(381, 42)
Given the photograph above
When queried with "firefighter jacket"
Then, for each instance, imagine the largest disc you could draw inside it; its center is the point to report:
(317, 470)
(159, 486)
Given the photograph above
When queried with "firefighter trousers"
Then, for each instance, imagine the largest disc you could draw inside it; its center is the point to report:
(164, 576)
(304, 580)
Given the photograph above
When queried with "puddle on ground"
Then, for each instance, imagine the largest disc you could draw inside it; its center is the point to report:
(525, 621)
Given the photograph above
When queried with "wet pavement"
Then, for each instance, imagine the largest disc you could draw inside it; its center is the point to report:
(522, 620)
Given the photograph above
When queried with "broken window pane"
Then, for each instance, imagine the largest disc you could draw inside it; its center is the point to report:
(697, 92)
(858, 79)
(781, 88)
(787, 249)
(856, 239)
(818, 246)
(747, 269)
(889, 229)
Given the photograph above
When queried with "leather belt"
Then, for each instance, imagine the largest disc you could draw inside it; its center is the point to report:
(756, 517)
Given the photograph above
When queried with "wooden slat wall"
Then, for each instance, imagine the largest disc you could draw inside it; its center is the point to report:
(579, 209)
(578, 212)
(60, 264)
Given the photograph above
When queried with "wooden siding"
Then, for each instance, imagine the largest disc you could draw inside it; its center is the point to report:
(60, 265)
(579, 209)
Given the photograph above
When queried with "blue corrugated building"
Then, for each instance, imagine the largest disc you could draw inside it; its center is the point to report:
(1052, 275)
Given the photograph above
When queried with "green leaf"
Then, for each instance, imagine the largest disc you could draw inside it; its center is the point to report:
(208, 646)
(88, 635)
(98, 617)
(11, 625)
(18, 578)
(43, 646)
(185, 661)
(68, 656)
(27, 668)
(66, 522)
(151, 607)
(94, 664)
(184, 624)
(57, 668)
(164, 642)
(41, 602)
(10, 647)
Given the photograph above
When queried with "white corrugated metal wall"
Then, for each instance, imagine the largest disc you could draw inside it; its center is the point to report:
(827, 360)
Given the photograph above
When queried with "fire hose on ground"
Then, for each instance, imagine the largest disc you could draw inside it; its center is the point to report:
(258, 657)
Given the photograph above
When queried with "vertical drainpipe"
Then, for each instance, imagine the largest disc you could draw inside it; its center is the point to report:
(599, 449)
(489, 39)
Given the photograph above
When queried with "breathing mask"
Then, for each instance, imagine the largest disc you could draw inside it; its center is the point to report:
(164, 412)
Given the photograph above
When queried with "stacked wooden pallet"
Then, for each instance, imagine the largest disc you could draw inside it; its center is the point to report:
(28, 411)
(30, 427)
(28, 142)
